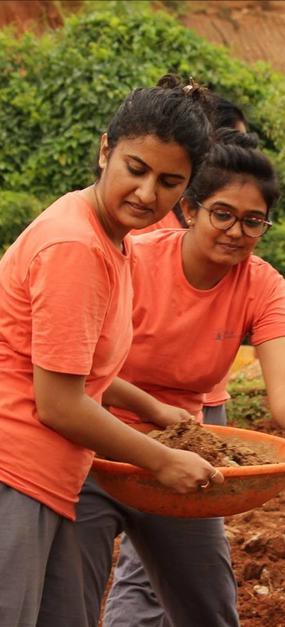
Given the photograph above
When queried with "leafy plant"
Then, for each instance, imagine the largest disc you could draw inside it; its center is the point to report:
(272, 247)
(17, 210)
(248, 402)
(58, 92)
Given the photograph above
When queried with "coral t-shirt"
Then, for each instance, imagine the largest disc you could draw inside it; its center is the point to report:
(219, 393)
(66, 306)
(186, 339)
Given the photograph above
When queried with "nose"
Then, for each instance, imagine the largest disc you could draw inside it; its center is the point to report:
(146, 191)
(235, 230)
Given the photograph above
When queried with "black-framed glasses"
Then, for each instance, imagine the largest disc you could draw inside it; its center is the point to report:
(223, 220)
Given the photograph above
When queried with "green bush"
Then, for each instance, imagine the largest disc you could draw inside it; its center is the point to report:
(58, 92)
(17, 210)
(272, 247)
(247, 404)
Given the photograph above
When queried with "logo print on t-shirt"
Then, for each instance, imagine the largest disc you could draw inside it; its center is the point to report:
(225, 335)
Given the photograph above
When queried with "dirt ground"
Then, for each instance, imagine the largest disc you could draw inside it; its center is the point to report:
(257, 540)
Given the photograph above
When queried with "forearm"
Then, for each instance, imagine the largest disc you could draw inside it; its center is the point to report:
(125, 395)
(64, 407)
(271, 356)
(88, 424)
(277, 406)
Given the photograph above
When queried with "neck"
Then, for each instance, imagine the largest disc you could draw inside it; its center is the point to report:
(94, 200)
(199, 272)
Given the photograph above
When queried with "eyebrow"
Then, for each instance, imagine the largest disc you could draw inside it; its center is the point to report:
(231, 207)
(180, 177)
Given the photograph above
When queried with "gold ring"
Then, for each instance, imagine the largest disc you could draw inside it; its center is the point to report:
(205, 485)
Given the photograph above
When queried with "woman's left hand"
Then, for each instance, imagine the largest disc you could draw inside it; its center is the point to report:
(169, 415)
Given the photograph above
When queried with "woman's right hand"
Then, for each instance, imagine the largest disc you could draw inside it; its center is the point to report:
(184, 471)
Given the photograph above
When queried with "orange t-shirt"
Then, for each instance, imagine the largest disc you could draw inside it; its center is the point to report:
(66, 306)
(186, 339)
(219, 393)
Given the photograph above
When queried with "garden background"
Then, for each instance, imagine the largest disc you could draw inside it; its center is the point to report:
(57, 93)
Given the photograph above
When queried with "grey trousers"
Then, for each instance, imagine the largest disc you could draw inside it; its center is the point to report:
(41, 582)
(187, 562)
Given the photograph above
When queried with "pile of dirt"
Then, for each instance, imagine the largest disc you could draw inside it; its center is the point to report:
(190, 436)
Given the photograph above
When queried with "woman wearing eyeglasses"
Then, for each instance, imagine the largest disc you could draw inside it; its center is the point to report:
(197, 293)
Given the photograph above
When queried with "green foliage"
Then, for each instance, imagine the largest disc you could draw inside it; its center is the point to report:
(17, 210)
(248, 402)
(272, 247)
(58, 92)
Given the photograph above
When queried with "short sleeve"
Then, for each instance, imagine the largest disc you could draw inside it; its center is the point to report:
(69, 290)
(269, 306)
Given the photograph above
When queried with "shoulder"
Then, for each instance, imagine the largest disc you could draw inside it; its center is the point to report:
(64, 233)
(264, 284)
(69, 220)
(160, 239)
(155, 248)
(262, 271)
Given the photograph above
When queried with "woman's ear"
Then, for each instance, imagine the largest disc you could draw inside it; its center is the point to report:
(104, 151)
(188, 211)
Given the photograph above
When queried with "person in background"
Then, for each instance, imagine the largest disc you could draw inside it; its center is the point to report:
(219, 292)
(66, 328)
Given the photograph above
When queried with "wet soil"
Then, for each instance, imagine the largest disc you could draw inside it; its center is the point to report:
(190, 436)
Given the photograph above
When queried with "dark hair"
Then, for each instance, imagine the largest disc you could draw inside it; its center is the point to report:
(222, 112)
(234, 157)
(167, 111)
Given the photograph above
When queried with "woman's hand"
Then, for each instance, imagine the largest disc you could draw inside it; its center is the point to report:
(165, 415)
(185, 471)
(125, 395)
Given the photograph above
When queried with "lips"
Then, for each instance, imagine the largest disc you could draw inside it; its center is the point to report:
(138, 208)
(229, 247)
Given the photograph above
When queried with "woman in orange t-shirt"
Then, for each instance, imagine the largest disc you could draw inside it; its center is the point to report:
(197, 293)
(66, 328)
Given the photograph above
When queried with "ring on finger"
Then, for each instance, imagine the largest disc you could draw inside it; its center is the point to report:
(213, 475)
(205, 485)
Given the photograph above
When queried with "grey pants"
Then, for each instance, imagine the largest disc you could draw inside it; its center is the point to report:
(41, 582)
(187, 562)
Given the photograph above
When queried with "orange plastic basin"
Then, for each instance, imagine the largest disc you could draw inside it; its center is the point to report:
(244, 488)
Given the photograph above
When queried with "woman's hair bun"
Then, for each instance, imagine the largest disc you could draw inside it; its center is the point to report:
(234, 137)
(192, 88)
(169, 81)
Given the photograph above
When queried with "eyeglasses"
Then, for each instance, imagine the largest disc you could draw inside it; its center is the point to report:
(223, 220)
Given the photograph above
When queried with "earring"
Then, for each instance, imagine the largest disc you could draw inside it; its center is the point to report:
(189, 221)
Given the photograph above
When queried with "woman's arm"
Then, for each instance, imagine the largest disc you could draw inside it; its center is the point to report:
(64, 407)
(125, 395)
(272, 359)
